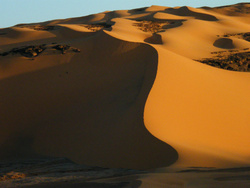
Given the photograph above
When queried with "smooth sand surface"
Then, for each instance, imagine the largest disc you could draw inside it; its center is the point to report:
(201, 110)
(131, 98)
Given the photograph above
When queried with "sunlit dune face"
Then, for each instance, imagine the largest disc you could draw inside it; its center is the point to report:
(199, 109)
(202, 112)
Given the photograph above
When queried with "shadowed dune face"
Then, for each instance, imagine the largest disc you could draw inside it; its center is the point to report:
(174, 23)
(225, 43)
(232, 10)
(89, 109)
(186, 11)
(154, 39)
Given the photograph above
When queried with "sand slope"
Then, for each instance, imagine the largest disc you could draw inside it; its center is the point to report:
(89, 106)
(201, 111)
(86, 106)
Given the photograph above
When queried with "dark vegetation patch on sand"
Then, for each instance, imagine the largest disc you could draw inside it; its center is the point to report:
(26, 51)
(97, 27)
(151, 26)
(234, 61)
(34, 51)
(65, 48)
(40, 27)
(12, 175)
(245, 36)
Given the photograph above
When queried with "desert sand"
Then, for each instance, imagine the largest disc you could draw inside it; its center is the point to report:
(154, 88)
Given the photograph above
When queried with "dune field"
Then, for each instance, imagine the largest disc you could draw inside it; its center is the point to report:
(149, 97)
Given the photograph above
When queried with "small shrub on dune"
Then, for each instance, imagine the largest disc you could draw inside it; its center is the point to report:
(150, 26)
(12, 175)
(234, 62)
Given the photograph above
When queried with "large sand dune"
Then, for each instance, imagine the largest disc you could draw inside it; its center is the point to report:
(86, 106)
(88, 98)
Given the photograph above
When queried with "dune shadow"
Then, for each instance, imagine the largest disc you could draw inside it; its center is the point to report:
(154, 39)
(18, 146)
(234, 178)
(185, 11)
(224, 43)
(173, 24)
(147, 17)
(231, 10)
(138, 10)
(89, 110)
(165, 23)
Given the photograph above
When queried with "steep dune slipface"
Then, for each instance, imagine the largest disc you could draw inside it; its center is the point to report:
(86, 106)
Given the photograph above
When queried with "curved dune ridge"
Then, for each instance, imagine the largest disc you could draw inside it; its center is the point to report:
(87, 107)
(124, 88)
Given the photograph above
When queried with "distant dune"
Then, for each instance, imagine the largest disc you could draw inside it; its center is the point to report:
(139, 89)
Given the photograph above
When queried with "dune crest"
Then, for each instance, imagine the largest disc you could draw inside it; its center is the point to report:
(85, 95)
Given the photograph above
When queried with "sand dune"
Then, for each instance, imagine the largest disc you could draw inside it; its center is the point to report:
(86, 106)
(124, 88)
(239, 9)
(18, 35)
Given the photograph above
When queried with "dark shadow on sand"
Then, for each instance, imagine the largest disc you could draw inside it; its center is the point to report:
(89, 110)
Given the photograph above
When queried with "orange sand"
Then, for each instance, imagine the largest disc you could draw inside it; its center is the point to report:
(89, 106)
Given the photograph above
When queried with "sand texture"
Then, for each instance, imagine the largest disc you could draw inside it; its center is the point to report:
(134, 89)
